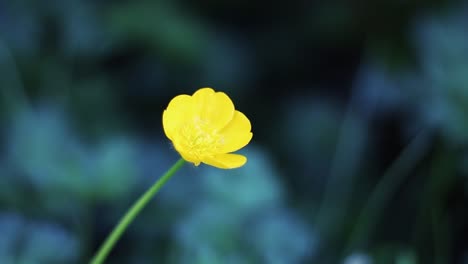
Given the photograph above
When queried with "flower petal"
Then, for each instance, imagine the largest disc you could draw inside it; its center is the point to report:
(225, 161)
(186, 156)
(236, 134)
(179, 110)
(214, 108)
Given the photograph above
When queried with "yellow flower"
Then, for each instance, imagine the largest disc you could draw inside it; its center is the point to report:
(205, 127)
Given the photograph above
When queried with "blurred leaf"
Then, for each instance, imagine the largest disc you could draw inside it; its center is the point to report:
(43, 148)
(248, 188)
(47, 243)
(27, 242)
(279, 236)
(310, 126)
(210, 232)
(358, 258)
(211, 224)
(95, 106)
(11, 228)
(162, 26)
(115, 169)
(444, 54)
(407, 257)
(382, 92)
(20, 27)
(208, 255)
(83, 33)
(228, 63)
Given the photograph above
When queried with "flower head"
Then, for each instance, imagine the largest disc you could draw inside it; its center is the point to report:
(205, 127)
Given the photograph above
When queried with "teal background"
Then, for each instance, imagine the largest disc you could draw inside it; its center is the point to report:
(359, 112)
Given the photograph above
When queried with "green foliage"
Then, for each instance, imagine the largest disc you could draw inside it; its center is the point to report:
(335, 92)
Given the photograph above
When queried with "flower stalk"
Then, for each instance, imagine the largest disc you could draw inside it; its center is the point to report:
(117, 232)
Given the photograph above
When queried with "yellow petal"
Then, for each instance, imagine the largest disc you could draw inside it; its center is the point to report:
(225, 161)
(186, 155)
(179, 110)
(214, 108)
(236, 134)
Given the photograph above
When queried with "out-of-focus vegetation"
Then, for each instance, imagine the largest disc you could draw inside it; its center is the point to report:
(359, 114)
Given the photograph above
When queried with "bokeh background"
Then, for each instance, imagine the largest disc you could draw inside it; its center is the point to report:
(359, 112)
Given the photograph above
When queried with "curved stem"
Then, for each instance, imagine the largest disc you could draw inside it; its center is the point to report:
(117, 232)
(386, 188)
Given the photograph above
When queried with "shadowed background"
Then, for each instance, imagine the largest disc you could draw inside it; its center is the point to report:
(359, 112)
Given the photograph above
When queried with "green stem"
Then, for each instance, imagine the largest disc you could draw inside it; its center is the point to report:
(132, 213)
(385, 189)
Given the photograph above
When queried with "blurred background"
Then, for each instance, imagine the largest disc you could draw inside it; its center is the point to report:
(359, 112)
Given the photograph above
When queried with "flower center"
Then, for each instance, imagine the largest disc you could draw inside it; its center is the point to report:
(199, 138)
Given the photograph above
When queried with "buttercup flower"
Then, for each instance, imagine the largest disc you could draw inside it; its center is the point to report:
(205, 127)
